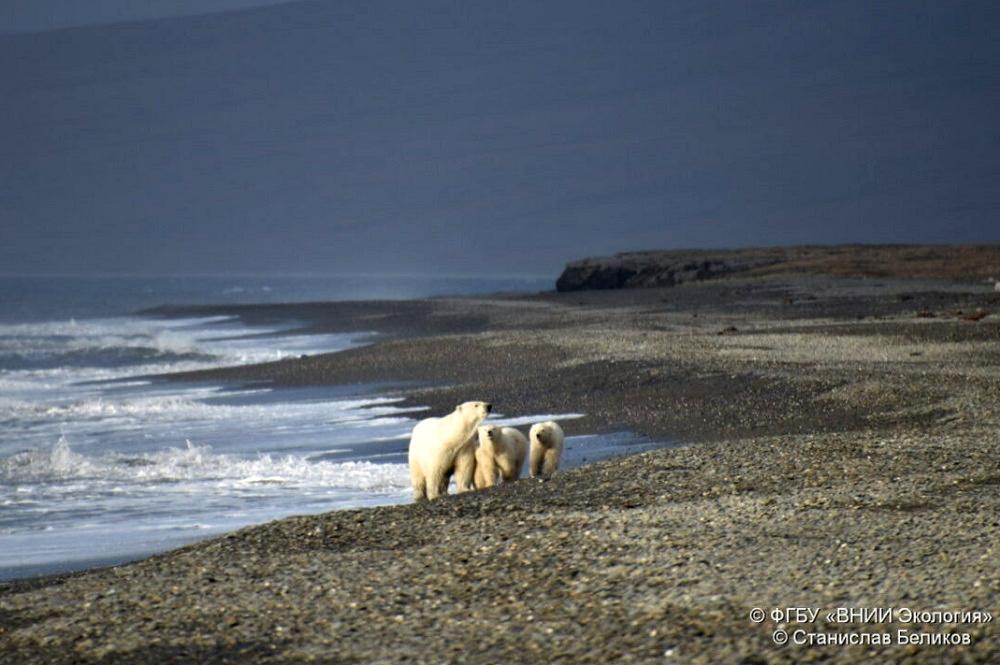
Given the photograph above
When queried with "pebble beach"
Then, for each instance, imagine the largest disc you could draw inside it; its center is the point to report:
(835, 443)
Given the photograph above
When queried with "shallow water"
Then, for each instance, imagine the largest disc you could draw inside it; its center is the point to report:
(101, 465)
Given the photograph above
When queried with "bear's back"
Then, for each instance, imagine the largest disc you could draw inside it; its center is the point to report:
(514, 438)
(426, 427)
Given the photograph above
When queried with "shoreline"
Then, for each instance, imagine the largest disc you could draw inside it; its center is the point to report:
(846, 455)
(551, 352)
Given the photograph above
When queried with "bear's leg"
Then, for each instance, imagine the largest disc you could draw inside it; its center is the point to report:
(437, 484)
(508, 471)
(465, 469)
(420, 491)
(486, 469)
(551, 462)
(480, 479)
(537, 456)
(418, 483)
(490, 476)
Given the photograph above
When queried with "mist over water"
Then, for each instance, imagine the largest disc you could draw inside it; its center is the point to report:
(61, 297)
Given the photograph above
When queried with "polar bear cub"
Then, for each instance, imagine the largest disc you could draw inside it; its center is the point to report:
(546, 448)
(502, 450)
(441, 447)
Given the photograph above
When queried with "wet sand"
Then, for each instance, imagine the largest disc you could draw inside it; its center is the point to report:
(843, 451)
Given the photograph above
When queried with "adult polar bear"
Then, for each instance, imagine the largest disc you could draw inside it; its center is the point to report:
(440, 447)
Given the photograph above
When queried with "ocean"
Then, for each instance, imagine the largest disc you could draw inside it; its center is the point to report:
(100, 464)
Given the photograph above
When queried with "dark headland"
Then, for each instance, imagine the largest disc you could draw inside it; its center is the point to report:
(841, 406)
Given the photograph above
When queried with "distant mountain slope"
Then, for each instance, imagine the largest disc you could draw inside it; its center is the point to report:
(670, 268)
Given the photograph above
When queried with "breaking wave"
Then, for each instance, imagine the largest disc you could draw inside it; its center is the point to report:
(195, 463)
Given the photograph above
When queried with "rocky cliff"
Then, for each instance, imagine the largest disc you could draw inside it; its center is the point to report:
(674, 267)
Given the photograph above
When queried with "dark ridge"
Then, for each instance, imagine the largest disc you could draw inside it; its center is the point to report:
(652, 269)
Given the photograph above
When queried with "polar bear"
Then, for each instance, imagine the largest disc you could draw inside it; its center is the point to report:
(501, 450)
(440, 447)
(546, 448)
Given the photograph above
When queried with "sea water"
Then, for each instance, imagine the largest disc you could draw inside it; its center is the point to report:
(102, 463)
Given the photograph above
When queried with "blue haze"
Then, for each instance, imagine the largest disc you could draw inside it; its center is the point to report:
(30, 298)
(484, 137)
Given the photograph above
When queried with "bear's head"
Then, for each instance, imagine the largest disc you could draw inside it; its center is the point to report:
(488, 435)
(474, 411)
(478, 409)
(542, 432)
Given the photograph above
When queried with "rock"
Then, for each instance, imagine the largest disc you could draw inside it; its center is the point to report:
(653, 269)
(674, 267)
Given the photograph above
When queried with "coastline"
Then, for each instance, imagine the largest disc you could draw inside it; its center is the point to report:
(730, 351)
(845, 454)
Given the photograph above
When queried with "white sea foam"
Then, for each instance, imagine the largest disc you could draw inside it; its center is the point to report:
(130, 344)
(197, 463)
(500, 419)
(87, 466)
(96, 459)
(189, 404)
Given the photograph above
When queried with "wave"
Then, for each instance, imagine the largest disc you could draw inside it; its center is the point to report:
(199, 463)
(129, 342)
(192, 405)
(107, 344)
(99, 356)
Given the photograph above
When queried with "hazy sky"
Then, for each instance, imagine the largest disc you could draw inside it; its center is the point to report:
(490, 137)
(37, 15)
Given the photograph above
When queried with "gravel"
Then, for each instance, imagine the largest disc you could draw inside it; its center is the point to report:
(832, 461)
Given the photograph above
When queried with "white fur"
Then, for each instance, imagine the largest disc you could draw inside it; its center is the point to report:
(546, 448)
(440, 447)
(501, 451)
